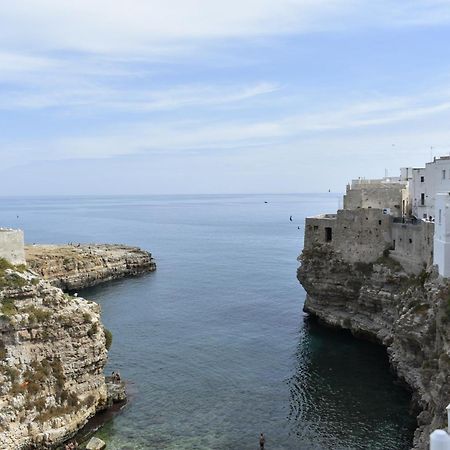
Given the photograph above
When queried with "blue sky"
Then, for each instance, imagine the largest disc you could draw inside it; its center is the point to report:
(205, 96)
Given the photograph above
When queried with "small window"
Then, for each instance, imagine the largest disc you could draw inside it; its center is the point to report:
(316, 227)
(422, 179)
(379, 222)
(443, 174)
(328, 234)
(422, 199)
(393, 244)
(410, 241)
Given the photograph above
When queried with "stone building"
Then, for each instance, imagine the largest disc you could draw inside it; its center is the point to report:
(385, 215)
(12, 246)
(385, 193)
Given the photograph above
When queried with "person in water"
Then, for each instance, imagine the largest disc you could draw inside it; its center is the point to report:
(262, 441)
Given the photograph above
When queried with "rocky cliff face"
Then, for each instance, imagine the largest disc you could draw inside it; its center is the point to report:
(72, 267)
(408, 315)
(52, 355)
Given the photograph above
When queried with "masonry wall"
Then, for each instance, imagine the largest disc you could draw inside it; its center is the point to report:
(12, 245)
(359, 235)
(412, 245)
(315, 229)
(376, 195)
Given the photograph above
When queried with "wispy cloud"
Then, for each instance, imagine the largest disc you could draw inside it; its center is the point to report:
(200, 135)
(71, 95)
(152, 26)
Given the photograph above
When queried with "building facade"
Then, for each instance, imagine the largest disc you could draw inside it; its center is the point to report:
(12, 246)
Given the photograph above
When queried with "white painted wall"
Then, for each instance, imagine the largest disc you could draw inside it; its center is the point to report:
(436, 178)
(442, 234)
(12, 246)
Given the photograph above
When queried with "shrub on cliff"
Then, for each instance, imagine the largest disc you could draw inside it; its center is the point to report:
(108, 338)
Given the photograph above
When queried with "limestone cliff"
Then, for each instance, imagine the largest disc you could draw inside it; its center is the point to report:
(72, 267)
(52, 355)
(409, 315)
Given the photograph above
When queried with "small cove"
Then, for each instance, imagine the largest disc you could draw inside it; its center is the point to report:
(214, 344)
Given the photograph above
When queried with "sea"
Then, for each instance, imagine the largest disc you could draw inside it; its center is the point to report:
(214, 346)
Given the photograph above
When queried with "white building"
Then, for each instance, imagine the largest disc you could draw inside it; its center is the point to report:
(425, 183)
(12, 245)
(441, 248)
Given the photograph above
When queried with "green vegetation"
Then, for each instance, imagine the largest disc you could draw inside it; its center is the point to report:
(108, 338)
(10, 372)
(93, 330)
(421, 308)
(37, 315)
(55, 411)
(315, 251)
(4, 264)
(8, 308)
(364, 268)
(11, 280)
(387, 261)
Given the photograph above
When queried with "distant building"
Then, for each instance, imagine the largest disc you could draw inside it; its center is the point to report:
(385, 193)
(409, 216)
(425, 184)
(12, 246)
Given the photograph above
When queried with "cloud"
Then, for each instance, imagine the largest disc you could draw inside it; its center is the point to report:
(102, 26)
(72, 93)
(145, 27)
(208, 135)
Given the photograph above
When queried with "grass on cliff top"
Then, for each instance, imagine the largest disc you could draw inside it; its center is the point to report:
(8, 308)
(11, 280)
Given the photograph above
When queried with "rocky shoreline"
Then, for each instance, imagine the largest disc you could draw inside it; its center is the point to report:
(77, 266)
(409, 315)
(53, 346)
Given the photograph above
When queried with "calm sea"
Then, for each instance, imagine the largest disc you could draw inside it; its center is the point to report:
(214, 344)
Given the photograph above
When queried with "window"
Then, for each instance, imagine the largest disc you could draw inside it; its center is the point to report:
(422, 199)
(328, 234)
(443, 174)
(316, 227)
(422, 179)
(393, 244)
(410, 241)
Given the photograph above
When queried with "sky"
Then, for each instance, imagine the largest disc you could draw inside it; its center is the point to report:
(206, 96)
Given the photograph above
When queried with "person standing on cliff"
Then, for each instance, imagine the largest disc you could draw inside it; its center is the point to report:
(262, 441)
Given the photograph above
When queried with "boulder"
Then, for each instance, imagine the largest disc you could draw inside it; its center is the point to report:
(95, 444)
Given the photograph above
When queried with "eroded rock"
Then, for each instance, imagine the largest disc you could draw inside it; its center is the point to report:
(409, 315)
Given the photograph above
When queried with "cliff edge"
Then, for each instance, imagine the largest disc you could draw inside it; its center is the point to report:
(72, 267)
(52, 356)
(409, 315)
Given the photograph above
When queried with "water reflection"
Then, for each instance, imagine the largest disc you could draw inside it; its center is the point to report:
(343, 396)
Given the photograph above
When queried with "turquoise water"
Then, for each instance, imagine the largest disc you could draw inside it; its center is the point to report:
(214, 344)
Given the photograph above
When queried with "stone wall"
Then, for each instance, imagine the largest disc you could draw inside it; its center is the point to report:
(412, 245)
(375, 195)
(359, 235)
(12, 246)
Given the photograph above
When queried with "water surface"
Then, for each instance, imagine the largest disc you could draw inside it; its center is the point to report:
(214, 344)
